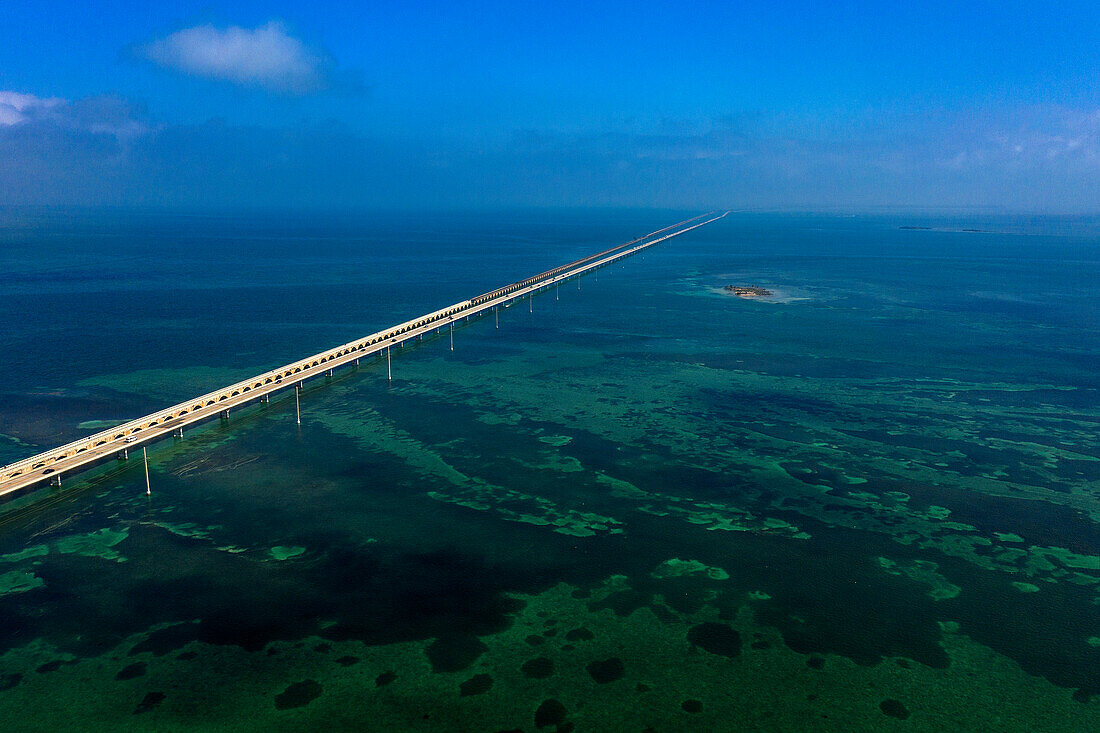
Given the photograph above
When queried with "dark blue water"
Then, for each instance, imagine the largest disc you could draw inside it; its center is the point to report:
(868, 500)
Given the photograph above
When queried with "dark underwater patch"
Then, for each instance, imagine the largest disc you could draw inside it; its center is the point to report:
(385, 678)
(131, 671)
(647, 464)
(776, 364)
(52, 419)
(1041, 632)
(894, 709)
(346, 661)
(479, 684)
(579, 634)
(538, 668)
(716, 639)
(250, 604)
(550, 712)
(738, 405)
(10, 680)
(608, 670)
(623, 603)
(456, 652)
(1086, 396)
(298, 695)
(814, 585)
(168, 639)
(1040, 523)
(151, 701)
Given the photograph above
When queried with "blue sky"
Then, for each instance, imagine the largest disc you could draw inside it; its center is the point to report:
(784, 105)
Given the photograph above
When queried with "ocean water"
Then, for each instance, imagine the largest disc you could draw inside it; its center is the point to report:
(870, 501)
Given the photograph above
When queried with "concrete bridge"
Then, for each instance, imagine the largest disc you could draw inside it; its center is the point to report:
(119, 440)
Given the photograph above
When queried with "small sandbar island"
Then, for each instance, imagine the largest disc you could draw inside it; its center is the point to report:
(748, 291)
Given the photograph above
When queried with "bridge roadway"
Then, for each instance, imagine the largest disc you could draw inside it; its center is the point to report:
(117, 441)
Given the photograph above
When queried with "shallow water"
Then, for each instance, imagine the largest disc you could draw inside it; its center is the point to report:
(870, 502)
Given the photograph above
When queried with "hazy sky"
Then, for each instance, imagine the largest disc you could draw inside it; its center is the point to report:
(787, 105)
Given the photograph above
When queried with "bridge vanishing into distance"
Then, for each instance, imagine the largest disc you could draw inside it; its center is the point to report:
(119, 440)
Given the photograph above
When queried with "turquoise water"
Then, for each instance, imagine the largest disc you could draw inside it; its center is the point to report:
(869, 501)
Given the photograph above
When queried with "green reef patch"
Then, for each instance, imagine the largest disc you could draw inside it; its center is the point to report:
(556, 440)
(872, 511)
(100, 544)
(26, 554)
(711, 515)
(520, 507)
(280, 552)
(922, 571)
(677, 568)
(17, 581)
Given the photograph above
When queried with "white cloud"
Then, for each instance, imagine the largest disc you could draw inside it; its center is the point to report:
(99, 115)
(265, 56)
(16, 107)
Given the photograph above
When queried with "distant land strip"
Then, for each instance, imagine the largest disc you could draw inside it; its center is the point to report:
(119, 440)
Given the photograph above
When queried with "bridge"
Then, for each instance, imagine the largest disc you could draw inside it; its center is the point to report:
(119, 440)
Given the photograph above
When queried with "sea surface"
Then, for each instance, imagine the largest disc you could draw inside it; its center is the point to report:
(869, 501)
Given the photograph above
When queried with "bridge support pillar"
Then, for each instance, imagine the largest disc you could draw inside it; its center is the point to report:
(56, 480)
(297, 405)
(389, 366)
(124, 455)
(145, 457)
(225, 414)
(179, 433)
(452, 337)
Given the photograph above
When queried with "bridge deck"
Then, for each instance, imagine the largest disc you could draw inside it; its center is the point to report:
(82, 453)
